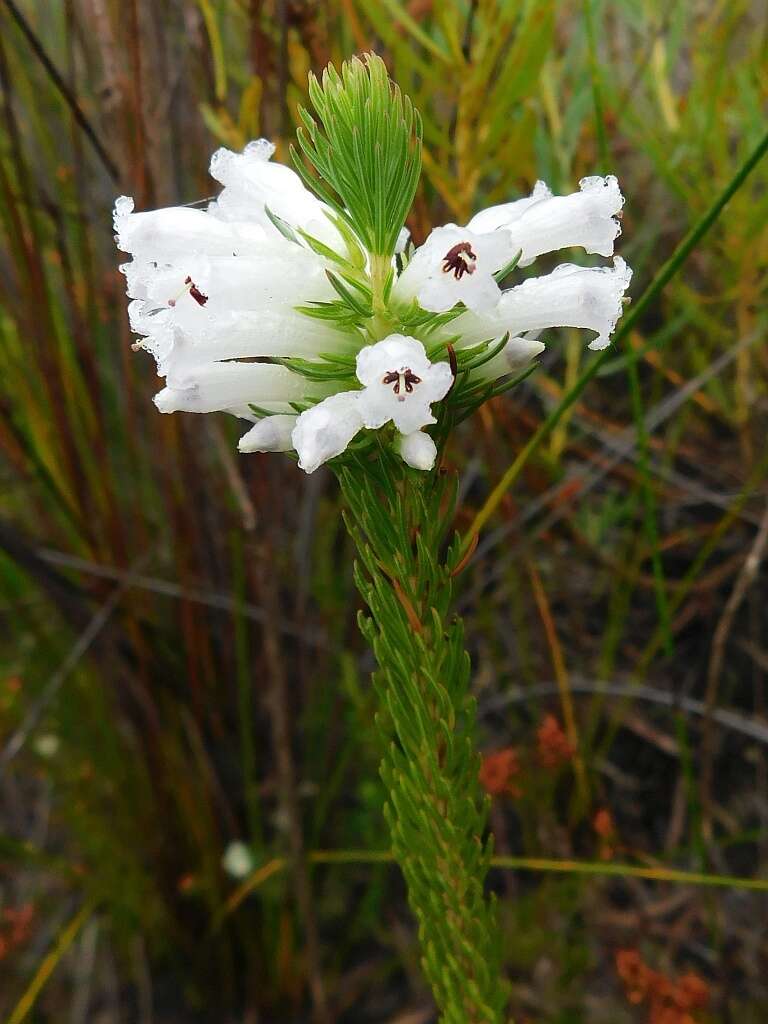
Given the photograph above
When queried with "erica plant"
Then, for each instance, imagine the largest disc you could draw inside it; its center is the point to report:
(296, 302)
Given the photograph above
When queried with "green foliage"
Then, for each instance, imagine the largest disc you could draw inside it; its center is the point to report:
(365, 144)
(436, 812)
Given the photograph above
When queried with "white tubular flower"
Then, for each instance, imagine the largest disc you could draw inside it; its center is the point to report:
(399, 386)
(247, 334)
(571, 296)
(272, 434)
(222, 386)
(418, 450)
(324, 431)
(544, 223)
(456, 265)
(180, 231)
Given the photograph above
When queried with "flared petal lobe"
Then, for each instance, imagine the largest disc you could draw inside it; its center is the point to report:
(587, 219)
(456, 265)
(324, 431)
(253, 183)
(400, 384)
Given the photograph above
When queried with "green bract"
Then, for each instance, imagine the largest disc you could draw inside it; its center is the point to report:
(365, 144)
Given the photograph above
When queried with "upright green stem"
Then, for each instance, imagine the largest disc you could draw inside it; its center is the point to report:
(435, 808)
(381, 324)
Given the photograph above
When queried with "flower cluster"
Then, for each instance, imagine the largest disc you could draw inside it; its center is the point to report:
(267, 305)
(669, 1002)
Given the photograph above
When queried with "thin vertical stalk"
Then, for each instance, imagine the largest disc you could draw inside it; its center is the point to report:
(435, 809)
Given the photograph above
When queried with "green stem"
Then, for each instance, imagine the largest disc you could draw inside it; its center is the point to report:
(435, 809)
(381, 324)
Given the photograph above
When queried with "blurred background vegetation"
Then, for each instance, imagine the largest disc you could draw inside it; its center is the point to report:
(189, 797)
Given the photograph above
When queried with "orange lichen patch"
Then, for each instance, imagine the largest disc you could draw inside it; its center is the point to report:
(634, 974)
(694, 989)
(603, 824)
(605, 829)
(552, 745)
(498, 771)
(15, 928)
(668, 1001)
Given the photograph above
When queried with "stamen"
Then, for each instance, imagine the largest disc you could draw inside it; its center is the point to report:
(460, 259)
(405, 377)
(194, 291)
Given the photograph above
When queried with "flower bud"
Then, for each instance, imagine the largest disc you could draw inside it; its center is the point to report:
(418, 450)
(272, 434)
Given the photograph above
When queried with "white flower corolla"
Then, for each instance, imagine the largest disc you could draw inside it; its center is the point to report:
(456, 265)
(271, 434)
(399, 386)
(545, 223)
(589, 298)
(246, 334)
(180, 231)
(212, 288)
(418, 450)
(253, 183)
(222, 386)
(324, 431)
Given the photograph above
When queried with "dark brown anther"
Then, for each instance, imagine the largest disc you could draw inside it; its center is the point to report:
(195, 292)
(405, 377)
(410, 380)
(460, 259)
